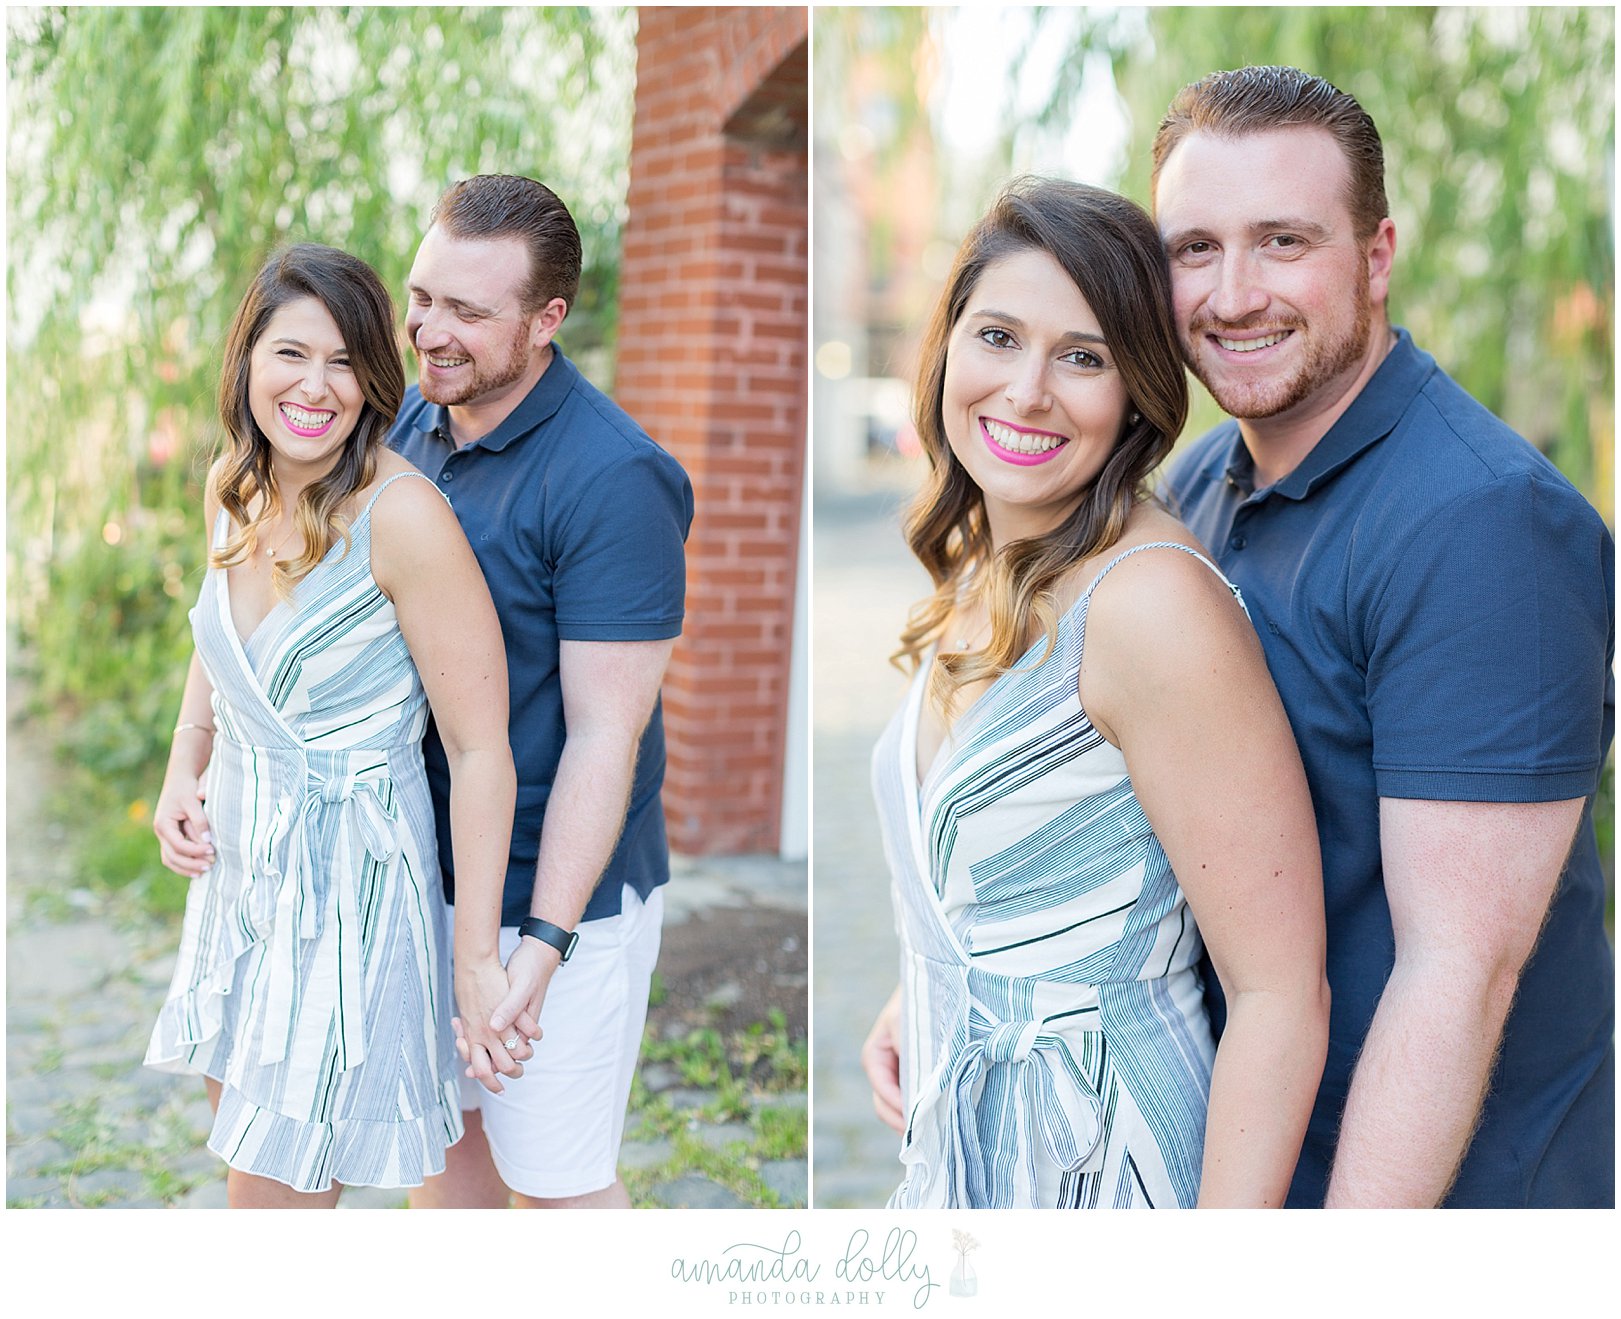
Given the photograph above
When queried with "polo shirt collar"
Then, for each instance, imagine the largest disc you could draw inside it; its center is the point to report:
(538, 405)
(1373, 414)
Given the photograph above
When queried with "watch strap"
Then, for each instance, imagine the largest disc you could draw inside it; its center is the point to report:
(555, 935)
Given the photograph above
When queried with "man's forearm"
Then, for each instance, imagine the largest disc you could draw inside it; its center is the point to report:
(1417, 1089)
(584, 817)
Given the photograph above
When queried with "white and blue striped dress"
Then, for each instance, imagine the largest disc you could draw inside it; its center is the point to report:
(313, 976)
(1055, 1048)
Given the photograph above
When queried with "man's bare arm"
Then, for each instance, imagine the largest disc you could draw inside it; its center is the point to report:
(1468, 884)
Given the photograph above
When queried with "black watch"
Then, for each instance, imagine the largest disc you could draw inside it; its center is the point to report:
(555, 935)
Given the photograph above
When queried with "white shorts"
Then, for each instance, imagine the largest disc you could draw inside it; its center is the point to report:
(555, 1130)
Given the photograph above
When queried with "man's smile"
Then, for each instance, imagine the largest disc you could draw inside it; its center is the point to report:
(1253, 344)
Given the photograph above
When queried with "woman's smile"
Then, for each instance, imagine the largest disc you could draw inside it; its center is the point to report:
(1019, 444)
(308, 422)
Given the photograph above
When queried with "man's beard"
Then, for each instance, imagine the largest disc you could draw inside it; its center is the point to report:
(483, 379)
(1256, 398)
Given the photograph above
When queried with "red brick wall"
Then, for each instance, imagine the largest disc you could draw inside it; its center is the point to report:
(711, 360)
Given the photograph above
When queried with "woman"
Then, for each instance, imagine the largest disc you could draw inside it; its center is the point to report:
(1091, 749)
(312, 988)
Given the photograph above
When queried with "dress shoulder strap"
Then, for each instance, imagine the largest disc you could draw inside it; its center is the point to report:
(378, 493)
(1086, 595)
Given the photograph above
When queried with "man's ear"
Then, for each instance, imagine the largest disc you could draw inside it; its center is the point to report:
(550, 320)
(1381, 250)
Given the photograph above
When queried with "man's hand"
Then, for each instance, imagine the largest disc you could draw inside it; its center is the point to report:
(529, 973)
(881, 1060)
(481, 987)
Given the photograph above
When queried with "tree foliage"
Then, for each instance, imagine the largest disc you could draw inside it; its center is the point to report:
(156, 155)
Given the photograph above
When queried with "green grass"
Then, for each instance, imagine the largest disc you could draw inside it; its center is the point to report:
(92, 1142)
(781, 1133)
(740, 1071)
(772, 1056)
(699, 1057)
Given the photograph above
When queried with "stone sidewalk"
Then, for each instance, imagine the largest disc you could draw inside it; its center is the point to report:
(88, 1126)
(866, 580)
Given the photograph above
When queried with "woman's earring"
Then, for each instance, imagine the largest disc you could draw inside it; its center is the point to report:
(1134, 418)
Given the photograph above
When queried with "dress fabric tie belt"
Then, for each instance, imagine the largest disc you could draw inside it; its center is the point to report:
(1011, 1090)
(349, 794)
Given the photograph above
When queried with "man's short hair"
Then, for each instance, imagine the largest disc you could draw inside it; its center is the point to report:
(509, 206)
(1263, 97)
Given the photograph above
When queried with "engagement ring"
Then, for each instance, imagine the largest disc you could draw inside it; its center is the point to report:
(512, 1043)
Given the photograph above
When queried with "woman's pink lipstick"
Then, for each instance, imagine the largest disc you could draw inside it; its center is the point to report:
(306, 431)
(1014, 456)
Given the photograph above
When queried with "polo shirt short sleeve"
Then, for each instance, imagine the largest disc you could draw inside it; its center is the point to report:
(1487, 648)
(620, 571)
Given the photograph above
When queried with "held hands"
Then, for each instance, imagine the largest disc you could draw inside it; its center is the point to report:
(509, 1001)
(881, 1060)
(185, 844)
(481, 986)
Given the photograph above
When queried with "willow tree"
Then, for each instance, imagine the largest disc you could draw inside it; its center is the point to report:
(156, 155)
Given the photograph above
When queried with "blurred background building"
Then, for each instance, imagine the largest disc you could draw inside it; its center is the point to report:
(1498, 127)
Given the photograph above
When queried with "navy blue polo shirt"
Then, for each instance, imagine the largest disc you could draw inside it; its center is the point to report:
(578, 520)
(1436, 605)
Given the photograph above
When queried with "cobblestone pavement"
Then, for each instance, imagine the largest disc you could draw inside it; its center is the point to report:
(865, 582)
(87, 1126)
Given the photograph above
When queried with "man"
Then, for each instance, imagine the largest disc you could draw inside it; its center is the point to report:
(578, 520)
(1434, 599)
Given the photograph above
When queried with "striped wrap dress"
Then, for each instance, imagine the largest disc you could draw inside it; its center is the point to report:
(1055, 1049)
(313, 976)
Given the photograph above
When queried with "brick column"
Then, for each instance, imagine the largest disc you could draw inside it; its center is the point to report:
(711, 360)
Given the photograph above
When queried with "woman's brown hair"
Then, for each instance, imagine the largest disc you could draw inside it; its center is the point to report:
(1109, 247)
(359, 304)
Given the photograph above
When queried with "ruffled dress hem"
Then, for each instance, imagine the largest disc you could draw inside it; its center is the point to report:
(351, 1152)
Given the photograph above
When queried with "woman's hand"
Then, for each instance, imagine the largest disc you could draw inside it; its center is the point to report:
(184, 841)
(481, 988)
(185, 844)
(881, 1060)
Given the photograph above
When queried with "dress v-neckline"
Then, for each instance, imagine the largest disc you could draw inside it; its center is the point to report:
(922, 780)
(246, 642)
(916, 788)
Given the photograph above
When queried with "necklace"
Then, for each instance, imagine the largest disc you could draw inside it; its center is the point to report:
(270, 550)
(966, 639)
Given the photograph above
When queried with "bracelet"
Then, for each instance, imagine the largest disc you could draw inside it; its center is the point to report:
(201, 728)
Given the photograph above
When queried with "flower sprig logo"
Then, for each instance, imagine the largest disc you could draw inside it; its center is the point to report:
(754, 1273)
(964, 1281)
